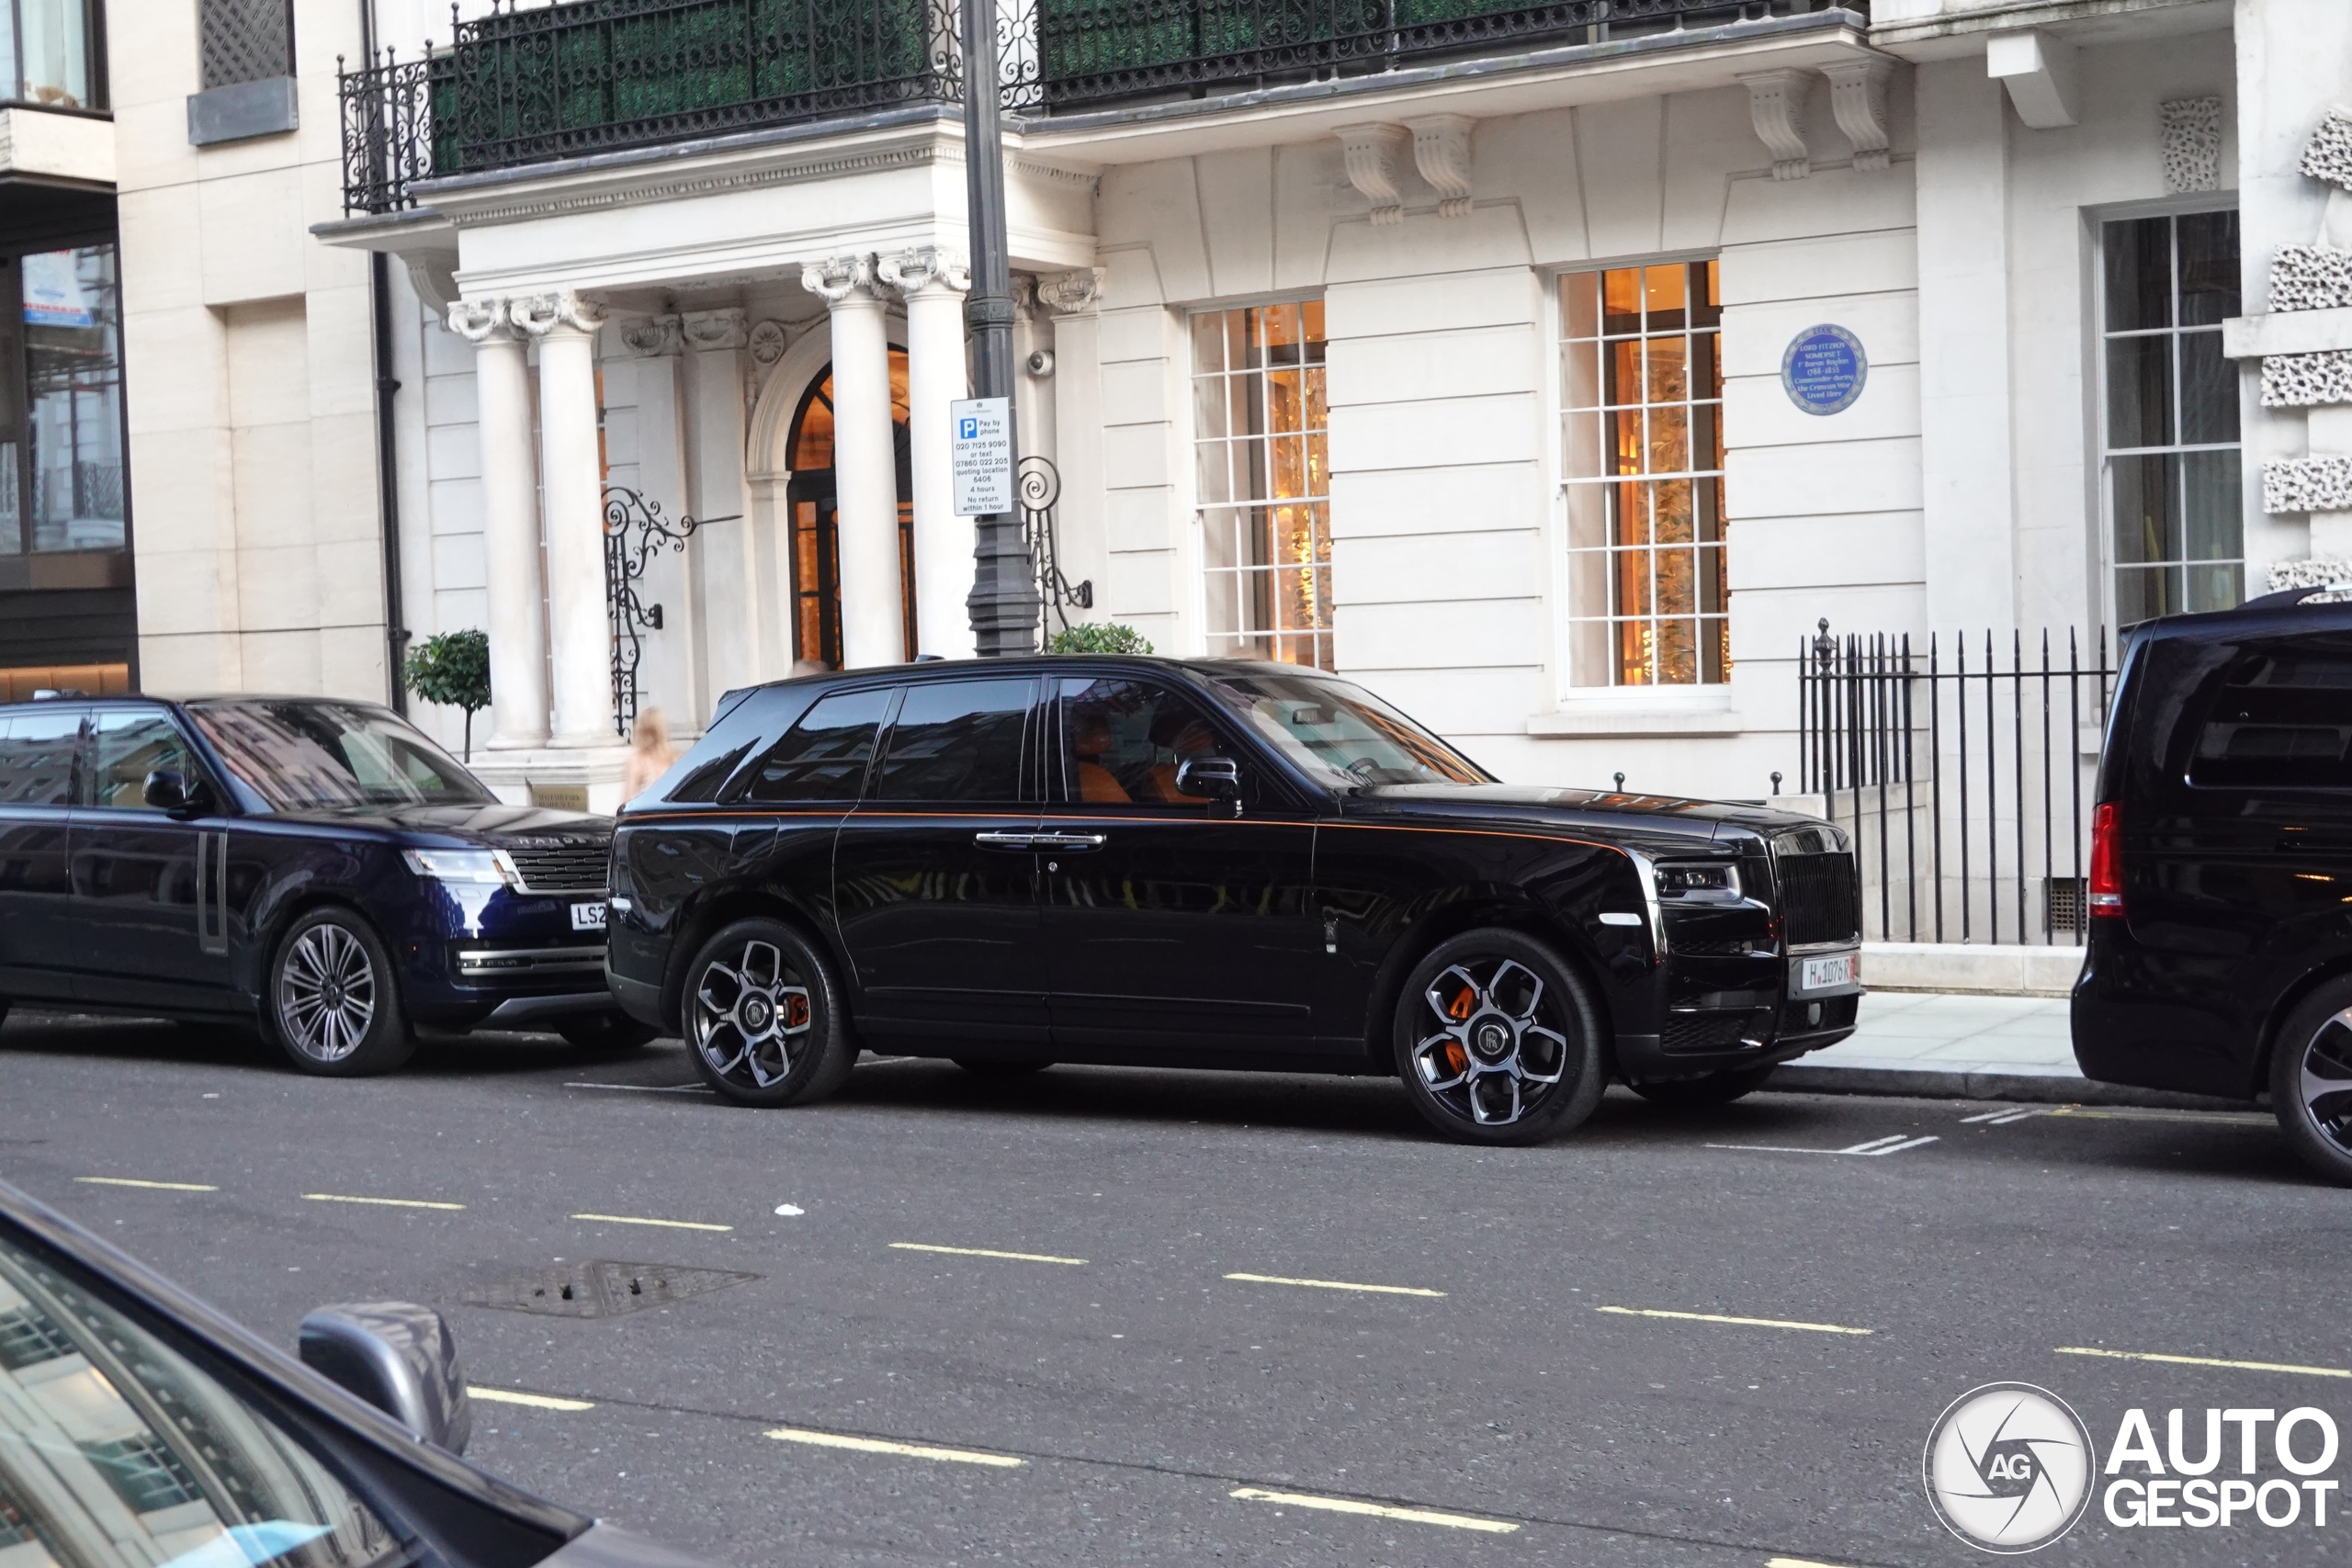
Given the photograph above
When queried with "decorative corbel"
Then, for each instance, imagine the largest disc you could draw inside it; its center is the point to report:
(475, 320)
(1857, 99)
(1370, 154)
(837, 278)
(1776, 108)
(1442, 152)
(539, 314)
(712, 331)
(435, 278)
(1069, 293)
(654, 337)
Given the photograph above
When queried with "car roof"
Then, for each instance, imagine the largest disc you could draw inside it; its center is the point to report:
(141, 699)
(2272, 615)
(1203, 668)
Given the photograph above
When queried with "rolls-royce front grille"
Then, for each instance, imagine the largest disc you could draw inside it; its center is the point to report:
(1819, 901)
(564, 868)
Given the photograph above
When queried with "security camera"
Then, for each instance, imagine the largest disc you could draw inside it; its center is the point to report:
(1040, 364)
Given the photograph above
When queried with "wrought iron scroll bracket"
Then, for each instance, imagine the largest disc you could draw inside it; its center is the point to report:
(635, 532)
(1039, 485)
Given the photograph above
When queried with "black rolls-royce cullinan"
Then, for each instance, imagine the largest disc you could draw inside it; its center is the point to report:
(314, 866)
(1208, 864)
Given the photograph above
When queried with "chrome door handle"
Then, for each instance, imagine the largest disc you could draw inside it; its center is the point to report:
(1070, 840)
(1005, 841)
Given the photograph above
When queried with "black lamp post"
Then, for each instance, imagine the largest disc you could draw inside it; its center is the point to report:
(1003, 604)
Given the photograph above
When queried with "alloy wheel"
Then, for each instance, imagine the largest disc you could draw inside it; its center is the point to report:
(2326, 1080)
(326, 993)
(750, 1016)
(1500, 1046)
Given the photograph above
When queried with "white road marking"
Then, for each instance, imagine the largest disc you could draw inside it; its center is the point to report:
(669, 1224)
(2007, 1114)
(905, 1451)
(535, 1401)
(2204, 1118)
(385, 1202)
(1335, 1285)
(2207, 1361)
(649, 1087)
(1377, 1510)
(1739, 1322)
(157, 1185)
(1894, 1144)
(987, 1252)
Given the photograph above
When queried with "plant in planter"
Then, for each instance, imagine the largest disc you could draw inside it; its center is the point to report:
(453, 670)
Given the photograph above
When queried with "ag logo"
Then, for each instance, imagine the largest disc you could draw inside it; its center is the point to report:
(2008, 1467)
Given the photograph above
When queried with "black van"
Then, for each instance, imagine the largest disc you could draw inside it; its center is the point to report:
(2220, 959)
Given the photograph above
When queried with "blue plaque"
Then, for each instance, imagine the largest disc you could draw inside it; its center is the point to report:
(1824, 369)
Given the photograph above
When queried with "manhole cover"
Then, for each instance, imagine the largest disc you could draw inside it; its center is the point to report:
(599, 1288)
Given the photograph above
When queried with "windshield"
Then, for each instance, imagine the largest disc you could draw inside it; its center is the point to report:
(301, 756)
(1343, 733)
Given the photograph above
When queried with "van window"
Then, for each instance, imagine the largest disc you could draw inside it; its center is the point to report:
(824, 756)
(2282, 719)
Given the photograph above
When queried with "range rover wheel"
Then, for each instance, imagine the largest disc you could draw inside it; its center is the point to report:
(606, 1031)
(2311, 1080)
(1498, 1041)
(1697, 1094)
(331, 1001)
(764, 1016)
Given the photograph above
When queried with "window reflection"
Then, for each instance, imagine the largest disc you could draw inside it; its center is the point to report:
(72, 424)
(57, 68)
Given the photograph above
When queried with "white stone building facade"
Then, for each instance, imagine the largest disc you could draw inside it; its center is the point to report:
(1471, 377)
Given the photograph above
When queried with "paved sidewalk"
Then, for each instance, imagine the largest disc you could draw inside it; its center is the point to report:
(1976, 1047)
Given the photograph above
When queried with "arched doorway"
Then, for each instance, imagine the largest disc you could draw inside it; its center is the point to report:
(816, 539)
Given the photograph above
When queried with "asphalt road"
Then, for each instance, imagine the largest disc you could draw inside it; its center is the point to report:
(1115, 1392)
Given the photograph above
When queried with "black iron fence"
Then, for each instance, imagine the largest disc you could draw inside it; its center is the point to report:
(1964, 772)
(522, 85)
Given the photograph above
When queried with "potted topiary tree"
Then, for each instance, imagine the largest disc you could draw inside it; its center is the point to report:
(453, 670)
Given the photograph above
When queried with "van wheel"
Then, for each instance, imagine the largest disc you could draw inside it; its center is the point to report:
(2311, 1080)
(1699, 1094)
(333, 1003)
(765, 1017)
(1497, 1041)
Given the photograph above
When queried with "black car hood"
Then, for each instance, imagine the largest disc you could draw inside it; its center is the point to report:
(1597, 809)
(517, 826)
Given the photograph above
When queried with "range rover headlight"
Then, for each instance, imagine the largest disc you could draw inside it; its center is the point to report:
(460, 866)
(1713, 880)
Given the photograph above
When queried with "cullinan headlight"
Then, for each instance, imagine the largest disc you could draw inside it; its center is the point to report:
(488, 866)
(1711, 881)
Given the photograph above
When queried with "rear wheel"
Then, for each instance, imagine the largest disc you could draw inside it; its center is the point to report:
(2311, 1080)
(332, 1003)
(606, 1031)
(1697, 1094)
(1497, 1040)
(764, 1017)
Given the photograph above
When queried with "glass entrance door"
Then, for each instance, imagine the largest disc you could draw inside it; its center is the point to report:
(816, 539)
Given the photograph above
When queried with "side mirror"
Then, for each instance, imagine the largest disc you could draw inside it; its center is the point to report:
(1219, 778)
(401, 1359)
(167, 789)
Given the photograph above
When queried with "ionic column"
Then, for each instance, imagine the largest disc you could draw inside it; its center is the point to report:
(865, 468)
(573, 491)
(933, 283)
(518, 633)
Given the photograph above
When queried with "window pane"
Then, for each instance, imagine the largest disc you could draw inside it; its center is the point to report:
(2214, 506)
(2142, 593)
(128, 747)
(2146, 515)
(2139, 273)
(1663, 297)
(2209, 267)
(1273, 406)
(1706, 294)
(823, 757)
(1580, 376)
(957, 741)
(37, 757)
(302, 755)
(1580, 305)
(57, 52)
(1123, 742)
(2284, 717)
(74, 372)
(1621, 301)
(2138, 391)
(2209, 391)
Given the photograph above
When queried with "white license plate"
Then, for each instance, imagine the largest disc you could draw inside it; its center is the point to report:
(591, 917)
(1820, 974)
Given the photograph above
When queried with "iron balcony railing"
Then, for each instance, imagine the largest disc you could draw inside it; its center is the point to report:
(1964, 772)
(520, 86)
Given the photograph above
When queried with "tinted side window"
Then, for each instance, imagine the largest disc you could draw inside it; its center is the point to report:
(2282, 719)
(823, 757)
(958, 740)
(1123, 741)
(128, 747)
(745, 727)
(36, 756)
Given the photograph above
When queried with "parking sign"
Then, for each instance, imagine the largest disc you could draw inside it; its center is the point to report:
(981, 460)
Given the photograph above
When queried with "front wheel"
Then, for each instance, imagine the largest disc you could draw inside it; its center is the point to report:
(764, 1017)
(1697, 1094)
(2311, 1080)
(606, 1031)
(332, 1003)
(1497, 1040)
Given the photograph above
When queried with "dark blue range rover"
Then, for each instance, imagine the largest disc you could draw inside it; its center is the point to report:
(315, 866)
